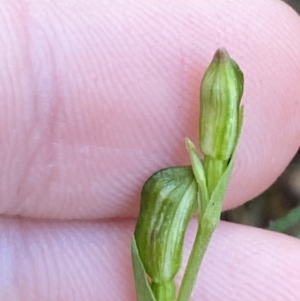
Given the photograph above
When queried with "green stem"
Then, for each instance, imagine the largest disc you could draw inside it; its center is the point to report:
(164, 291)
(214, 170)
(190, 275)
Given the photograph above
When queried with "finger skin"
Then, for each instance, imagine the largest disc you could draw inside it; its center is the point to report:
(95, 98)
(56, 261)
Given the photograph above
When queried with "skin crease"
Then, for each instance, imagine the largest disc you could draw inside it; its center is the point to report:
(97, 96)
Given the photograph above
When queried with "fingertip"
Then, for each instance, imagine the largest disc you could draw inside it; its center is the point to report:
(119, 90)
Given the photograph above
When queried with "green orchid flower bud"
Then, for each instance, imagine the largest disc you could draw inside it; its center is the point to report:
(169, 199)
(220, 97)
(172, 196)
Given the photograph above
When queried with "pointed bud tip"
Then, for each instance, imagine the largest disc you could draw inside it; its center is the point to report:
(221, 54)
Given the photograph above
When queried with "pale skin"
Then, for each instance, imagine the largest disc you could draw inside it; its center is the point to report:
(96, 97)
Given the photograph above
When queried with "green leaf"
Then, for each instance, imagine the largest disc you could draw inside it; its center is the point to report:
(142, 287)
(290, 220)
(199, 174)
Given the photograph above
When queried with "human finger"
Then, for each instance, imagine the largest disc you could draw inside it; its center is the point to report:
(95, 98)
(56, 261)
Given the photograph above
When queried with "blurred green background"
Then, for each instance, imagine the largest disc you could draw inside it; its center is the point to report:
(278, 208)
